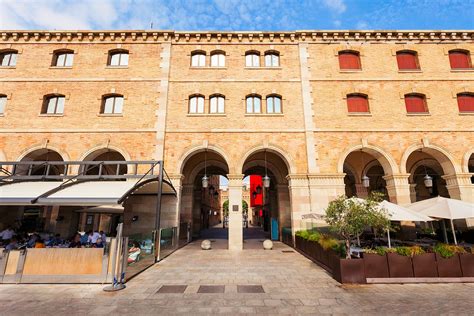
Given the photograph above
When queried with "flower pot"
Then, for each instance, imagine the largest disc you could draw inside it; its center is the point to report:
(399, 266)
(375, 266)
(350, 271)
(298, 242)
(467, 264)
(424, 266)
(449, 267)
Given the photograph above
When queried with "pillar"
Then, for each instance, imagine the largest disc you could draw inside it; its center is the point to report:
(177, 182)
(283, 202)
(460, 187)
(235, 212)
(361, 191)
(398, 187)
(324, 188)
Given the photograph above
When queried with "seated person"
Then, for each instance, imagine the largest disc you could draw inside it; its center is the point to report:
(134, 253)
(55, 241)
(76, 241)
(13, 244)
(32, 240)
(40, 243)
(98, 243)
(84, 238)
(7, 234)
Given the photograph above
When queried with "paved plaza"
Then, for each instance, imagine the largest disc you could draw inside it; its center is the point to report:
(192, 281)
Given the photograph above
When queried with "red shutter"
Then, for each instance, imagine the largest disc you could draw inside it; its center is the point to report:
(357, 104)
(256, 186)
(406, 60)
(348, 60)
(459, 60)
(415, 104)
(466, 103)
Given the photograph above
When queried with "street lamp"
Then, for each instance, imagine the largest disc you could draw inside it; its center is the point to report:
(205, 179)
(365, 181)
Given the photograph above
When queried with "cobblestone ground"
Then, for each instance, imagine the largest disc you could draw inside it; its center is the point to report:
(292, 285)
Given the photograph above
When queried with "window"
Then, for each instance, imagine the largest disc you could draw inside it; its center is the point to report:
(415, 103)
(198, 59)
(407, 60)
(217, 104)
(252, 59)
(272, 59)
(349, 60)
(118, 57)
(459, 59)
(254, 104)
(196, 104)
(63, 58)
(112, 104)
(357, 103)
(3, 102)
(218, 59)
(8, 58)
(273, 104)
(53, 104)
(466, 102)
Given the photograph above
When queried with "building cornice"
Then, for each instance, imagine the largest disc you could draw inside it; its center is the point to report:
(315, 36)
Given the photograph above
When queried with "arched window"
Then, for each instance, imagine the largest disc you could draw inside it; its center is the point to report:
(3, 103)
(460, 59)
(217, 103)
(217, 59)
(254, 103)
(407, 60)
(416, 103)
(118, 57)
(357, 103)
(349, 60)
(112, 104)
(273, 103)
(466, 102)
(198, 59)
(252, 59)
(63, 58)
(196, 104)
(8, 57)
(272, 59)
(53, 104)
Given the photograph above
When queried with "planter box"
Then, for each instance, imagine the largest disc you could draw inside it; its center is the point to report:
(449, 267)
(424, 266)
(375, 266)
(467, 264)
(350, 271)
(399, 266)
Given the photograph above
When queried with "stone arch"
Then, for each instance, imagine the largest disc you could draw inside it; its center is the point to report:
(274, 169)
(388, 163)
(465, 160)
(195, 171)
(286, 158)
(105, 147)
(197, 149)
(64, 155)
(441, 155)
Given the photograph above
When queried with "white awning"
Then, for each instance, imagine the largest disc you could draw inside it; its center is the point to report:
(87, 193)
(22, 193)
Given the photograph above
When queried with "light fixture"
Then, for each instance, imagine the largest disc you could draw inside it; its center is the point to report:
(427, 180)
(266, 178)
(365, 179)
(205, 179)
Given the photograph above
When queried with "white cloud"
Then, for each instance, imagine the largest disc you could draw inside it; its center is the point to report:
(336, 23)
(338, 6)
(362, 25)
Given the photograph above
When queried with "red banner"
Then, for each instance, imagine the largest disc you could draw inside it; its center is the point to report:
(256, 191)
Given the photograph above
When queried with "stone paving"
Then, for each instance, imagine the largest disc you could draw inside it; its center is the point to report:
(291, 283)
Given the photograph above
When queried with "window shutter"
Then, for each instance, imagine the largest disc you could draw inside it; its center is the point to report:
(459, 60)
(466, 103)
(406, 61)
(415, 104)
(357, 104)
(348, 60)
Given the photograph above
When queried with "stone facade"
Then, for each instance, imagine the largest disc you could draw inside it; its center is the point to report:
(311, 141)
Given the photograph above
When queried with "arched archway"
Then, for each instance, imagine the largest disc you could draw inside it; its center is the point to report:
(41, 155)
(201, 205)
(271, 211)
(104, 154)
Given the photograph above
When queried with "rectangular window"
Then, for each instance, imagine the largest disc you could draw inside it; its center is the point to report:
(198, 60)
(218, 60)
(253, 105)
(407, 61)
(249, 105)
(466, 103)
(55, 105)
(217, 105)
(8, 59)
(64, 60)
(252, 60)
(3, 102)
(271, 60)
(113, 105)
(196, 105)
(349, 61)
(273, 105)
(459, 60)
(119, 59)
(415, 104)
(357, 104)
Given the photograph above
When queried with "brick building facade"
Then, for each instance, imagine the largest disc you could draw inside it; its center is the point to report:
(316, 110)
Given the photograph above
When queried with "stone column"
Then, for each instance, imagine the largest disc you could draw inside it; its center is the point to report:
(284, 210)
(413, 192)
(398, 188)
(361, 191)
(460, 187)
(235, 212)
(196, 211)
(176, 181)
(325, 187)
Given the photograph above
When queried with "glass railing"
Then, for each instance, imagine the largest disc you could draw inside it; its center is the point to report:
(141, 253)
(168, 241)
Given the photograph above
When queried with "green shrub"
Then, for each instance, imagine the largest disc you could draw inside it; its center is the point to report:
(447, 251)
(314, 236)
(409, 251)
(303, 234)
(328, 242)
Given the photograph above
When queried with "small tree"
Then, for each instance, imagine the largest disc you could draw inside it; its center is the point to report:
(348, 217)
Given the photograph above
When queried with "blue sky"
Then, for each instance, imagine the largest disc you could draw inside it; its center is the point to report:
(237, 14)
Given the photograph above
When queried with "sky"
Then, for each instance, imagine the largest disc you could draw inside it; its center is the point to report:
(237, 15)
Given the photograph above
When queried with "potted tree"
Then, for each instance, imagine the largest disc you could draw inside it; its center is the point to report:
(348, 217)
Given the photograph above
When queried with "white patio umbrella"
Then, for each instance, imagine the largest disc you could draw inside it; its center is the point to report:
(441, 207)
(399, 213)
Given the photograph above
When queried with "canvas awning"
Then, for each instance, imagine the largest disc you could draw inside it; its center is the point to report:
(81, 193)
